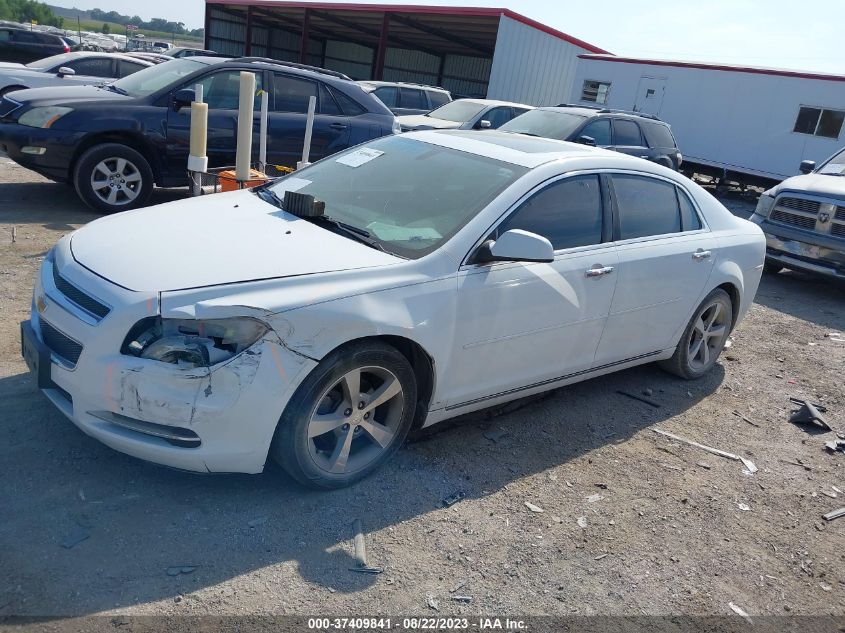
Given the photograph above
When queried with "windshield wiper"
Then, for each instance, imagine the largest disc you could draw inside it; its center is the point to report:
(114, 88)
(358, 234)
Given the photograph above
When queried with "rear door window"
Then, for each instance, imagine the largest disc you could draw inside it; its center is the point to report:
(568, 213)
(600, 131)
(626, 133)
(498, 117)
(5, 36)
(413, 99)
(293, 93)
(646, 207)
(349, 106)
(125, 68)
(328, 104)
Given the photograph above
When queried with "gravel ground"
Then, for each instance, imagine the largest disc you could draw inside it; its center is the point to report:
(632, 523)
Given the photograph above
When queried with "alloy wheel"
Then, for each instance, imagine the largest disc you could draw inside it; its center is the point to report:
(116, 181)
(355, 420)
(708, 336)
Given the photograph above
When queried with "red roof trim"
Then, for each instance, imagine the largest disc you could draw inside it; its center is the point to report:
(721, 67)
(415, 8)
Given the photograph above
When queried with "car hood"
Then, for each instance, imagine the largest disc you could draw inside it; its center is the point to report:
(815, 183)
(7, 65)
(210, 241)
(64, 95)
(423, 122)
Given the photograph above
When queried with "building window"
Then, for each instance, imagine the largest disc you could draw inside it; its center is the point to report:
(819, 122)
(595, 92)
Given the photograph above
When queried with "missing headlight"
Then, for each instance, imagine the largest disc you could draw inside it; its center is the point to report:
(192, 343)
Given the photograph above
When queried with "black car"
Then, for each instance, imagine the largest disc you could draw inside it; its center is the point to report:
(633, 133)
(23, 46)
(116, 141)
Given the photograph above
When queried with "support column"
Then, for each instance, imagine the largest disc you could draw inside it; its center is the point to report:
(381, 51)
(441, 71)
(303, 42)
(207, 32)
(248, 45)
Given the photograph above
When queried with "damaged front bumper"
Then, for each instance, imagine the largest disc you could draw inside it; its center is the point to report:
(215, 419)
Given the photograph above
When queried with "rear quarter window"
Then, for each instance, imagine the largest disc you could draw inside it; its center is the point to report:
(438, 99)
(658, 135)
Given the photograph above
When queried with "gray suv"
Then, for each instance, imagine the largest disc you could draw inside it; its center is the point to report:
(804, 220)
(404, 98)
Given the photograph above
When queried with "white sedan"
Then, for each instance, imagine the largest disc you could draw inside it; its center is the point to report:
(419, 277)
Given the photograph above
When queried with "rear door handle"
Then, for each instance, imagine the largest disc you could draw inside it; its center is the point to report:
(599, 271)
(702, 255)
(338, 126)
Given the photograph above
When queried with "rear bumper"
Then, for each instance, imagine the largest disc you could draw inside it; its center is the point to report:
(54, 163)
(803, 250)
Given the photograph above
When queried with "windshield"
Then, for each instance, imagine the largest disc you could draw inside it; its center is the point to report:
(150, 80)
(50, 62)
(545, 123)
(409, 196)
(835, 165)
(457, 111)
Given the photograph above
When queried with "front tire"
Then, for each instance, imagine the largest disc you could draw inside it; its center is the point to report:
(112, 177)
(704, 338)
(348, 417)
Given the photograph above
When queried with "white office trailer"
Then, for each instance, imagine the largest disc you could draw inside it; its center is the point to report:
(740, 124)
(471, 51)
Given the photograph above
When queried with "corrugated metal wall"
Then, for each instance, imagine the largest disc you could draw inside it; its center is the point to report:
(462, 75)
(530, 66)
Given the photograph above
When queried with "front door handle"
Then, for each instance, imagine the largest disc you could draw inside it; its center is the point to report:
(700, 255)
(599, 271)
(338, 126)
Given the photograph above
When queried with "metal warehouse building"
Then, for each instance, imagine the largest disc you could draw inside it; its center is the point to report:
(476, 52)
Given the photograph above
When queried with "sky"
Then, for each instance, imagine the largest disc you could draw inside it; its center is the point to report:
(776, 33)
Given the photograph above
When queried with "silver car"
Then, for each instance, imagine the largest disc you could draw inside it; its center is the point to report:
(70, 68)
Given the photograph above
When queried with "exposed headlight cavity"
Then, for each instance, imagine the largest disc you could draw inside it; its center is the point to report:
(191, 343)
(43, 117)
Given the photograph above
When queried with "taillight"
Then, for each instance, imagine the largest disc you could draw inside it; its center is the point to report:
(67, 48)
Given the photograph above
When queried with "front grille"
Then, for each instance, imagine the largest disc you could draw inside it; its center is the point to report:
(838, 230)
(800, 204)
(83, 300)
(7, 106)
(60, 344)
(840, 213)
(793, 219)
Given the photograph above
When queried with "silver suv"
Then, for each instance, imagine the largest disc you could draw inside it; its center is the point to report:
(804, 220)
(404, 98)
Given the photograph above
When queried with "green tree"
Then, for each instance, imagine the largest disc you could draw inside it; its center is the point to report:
(106, 28)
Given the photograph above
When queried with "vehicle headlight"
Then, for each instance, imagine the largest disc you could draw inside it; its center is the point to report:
(397, 128)
(43, 117)
(765, 204)
(192, 343)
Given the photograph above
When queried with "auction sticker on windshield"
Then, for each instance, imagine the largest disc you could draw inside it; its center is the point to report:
(359, 157)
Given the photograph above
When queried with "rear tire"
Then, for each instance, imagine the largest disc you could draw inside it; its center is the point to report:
(704, 338)
(325, 438)
(112, 177)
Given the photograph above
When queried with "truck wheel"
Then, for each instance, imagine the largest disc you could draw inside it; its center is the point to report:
(348, 417)
(113, 177)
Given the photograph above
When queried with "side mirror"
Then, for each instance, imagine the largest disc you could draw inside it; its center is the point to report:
(64, 71)
(183, 98)
(517, 246)
(807, 166)
(483, 125)
(586, 140)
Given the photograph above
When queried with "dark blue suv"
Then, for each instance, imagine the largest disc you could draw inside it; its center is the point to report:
(115, 142)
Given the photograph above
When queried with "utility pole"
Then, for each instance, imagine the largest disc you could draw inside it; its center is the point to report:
(79, 28)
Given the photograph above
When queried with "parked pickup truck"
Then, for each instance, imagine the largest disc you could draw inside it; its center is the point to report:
(804, 220)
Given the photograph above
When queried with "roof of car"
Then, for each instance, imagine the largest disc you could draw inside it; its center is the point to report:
(493, 102)
(406, 84)
(517, 149)
(588, 111)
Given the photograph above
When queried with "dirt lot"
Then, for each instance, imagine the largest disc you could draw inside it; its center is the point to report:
(633, 523)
